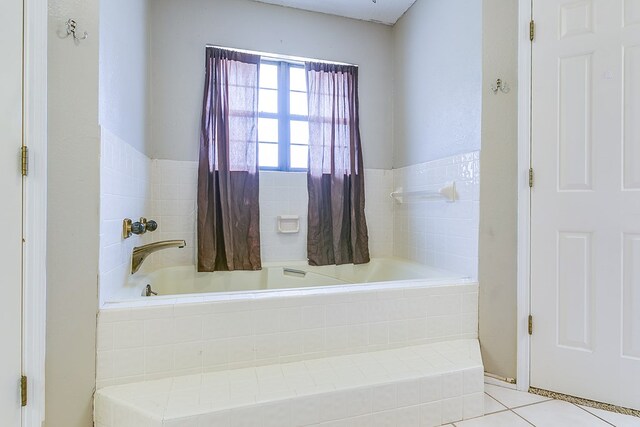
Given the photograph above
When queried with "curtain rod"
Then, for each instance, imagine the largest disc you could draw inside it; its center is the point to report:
(281, 57)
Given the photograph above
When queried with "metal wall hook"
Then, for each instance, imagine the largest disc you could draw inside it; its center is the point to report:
(72, 28)
(501, 86)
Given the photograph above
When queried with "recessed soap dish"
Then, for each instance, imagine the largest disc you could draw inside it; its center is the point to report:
(288, 224)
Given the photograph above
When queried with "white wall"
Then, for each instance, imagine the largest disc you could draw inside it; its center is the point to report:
(438, 71)
(124, 79)
(498, 191)
(72, 223)
(181, 29)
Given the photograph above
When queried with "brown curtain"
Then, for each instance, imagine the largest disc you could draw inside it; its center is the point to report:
(228, 210)
(337, 229)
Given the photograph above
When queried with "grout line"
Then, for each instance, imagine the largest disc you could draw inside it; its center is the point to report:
(592, 414)
(498, 402)
(486, 415)
(526, 420)
(523, 406)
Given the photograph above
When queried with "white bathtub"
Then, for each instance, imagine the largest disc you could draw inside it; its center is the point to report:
(176, 281)
(204, 322)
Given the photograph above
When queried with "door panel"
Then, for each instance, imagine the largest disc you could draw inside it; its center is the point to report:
(585, 211)
(631, 113)
(11, 211)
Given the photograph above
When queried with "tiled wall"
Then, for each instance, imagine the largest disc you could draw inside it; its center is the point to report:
(379, 211)
(281, 193)
(165, 190)
(169, 339)
(125, 192)
(174, 208)
(435, 232)
(285, 193)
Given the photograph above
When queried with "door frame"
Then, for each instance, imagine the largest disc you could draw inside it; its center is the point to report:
(34, 300)
(525, 47)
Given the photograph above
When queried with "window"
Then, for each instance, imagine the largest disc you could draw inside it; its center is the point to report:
(283, 126)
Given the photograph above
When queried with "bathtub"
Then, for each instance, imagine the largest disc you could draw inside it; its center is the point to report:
(186, 281)
(287, 312)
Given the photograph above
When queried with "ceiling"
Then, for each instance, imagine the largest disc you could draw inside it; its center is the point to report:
(384, 11)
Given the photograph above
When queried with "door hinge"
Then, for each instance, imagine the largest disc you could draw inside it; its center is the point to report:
(532, 30)
(23, 390)
(24, 155)
(530, 327)
(530, 177)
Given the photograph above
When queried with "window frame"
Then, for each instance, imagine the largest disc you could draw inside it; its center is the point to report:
(283, 116)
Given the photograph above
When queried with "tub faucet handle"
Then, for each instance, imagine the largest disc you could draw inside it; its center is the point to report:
(152, 225)
(129, 227)
(149, 224)
(138, 228)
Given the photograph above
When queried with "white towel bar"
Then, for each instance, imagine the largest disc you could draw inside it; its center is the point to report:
(448, 192)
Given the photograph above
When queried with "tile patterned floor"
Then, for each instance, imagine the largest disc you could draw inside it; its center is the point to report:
(507, 407)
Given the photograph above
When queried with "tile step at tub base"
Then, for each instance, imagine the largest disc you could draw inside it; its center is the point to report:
(423, 385)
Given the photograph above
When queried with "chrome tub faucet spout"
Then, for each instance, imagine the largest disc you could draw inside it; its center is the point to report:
(142, 252)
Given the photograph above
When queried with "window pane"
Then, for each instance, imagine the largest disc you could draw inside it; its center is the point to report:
(299, 132)
(267, 130)
(268, 155)
(298, 79)
(299, 157)
(268, 76)
(299, 105)
(268, 101)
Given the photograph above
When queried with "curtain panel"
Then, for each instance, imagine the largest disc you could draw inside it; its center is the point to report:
(337, 228)
(228, 178)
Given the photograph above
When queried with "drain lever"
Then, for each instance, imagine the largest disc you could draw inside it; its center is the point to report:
(293, 271)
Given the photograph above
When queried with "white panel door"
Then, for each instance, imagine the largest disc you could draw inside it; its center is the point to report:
(585, 212)
(10, 210)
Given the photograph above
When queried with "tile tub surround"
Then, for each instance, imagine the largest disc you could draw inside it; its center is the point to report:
(437, 233)
(444, 235)
(165, 190)
(125, 192)
(281, 193)
(424, 385)
(174, 205)
(151, 339)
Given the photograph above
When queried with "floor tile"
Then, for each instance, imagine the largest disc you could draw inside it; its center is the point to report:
(491, 405)
(557, 413)
(512, 398)
(501, 419)
(618, 420)
(495, 381)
